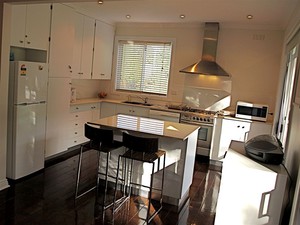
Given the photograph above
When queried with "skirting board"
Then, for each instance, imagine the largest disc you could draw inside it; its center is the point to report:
(3, 184)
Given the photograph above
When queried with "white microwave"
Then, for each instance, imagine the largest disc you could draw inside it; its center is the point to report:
(246, 110)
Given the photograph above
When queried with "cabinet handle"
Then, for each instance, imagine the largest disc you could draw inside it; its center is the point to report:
(75, 132)
(238, 126)
(243, 127)
(28, 42)
(76, 116)
(102, 74)
(77, 108)
(76, 124)
(21, 41)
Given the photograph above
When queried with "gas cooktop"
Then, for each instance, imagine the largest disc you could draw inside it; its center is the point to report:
(192, 115)
(186, 108)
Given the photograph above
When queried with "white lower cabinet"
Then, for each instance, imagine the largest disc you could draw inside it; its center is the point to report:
(250, 192)
(132, 110)
(79, 115)
(228, 129)
(107, 109)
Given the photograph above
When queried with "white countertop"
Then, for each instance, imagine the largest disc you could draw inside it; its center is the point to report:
(148, 126)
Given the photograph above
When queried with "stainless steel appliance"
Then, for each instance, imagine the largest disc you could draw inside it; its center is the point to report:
(251, 111)
(203, 118)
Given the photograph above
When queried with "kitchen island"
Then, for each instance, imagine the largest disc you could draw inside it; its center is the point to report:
(178, 140)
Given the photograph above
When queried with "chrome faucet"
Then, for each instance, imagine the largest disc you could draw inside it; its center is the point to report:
(145, 100)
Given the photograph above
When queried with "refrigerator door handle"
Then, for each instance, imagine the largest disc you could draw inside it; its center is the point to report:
(31, 103)
(22, 104)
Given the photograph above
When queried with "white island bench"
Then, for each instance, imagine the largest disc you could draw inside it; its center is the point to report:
(178, 140)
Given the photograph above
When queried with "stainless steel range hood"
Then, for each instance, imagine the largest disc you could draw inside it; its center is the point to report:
(208, 65)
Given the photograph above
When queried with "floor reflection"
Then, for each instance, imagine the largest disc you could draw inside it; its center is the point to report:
(48, 198)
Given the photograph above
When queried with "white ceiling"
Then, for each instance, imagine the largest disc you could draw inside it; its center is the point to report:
(274, 14)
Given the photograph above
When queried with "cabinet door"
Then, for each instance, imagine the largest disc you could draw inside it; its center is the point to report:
(83, 47)
(140, 111)
(87, 47)
(62, 39)
(124, 109)
(18, 25)
(103, 51)
(78, 35)
(58, 105)
(37, 26)
(232, 130)
(107, 109)
(31, 26)
(95, 109)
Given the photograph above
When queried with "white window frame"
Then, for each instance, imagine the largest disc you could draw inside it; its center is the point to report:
(145, 39)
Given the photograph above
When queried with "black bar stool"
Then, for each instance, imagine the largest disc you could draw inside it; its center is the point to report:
(101, 140)
(145, 150)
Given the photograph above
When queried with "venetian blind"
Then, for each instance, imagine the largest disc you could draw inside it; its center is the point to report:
(143, 66)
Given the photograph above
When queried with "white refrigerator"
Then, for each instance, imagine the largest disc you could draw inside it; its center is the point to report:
(26, 118)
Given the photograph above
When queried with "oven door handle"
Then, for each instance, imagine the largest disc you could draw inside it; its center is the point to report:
(196, 123)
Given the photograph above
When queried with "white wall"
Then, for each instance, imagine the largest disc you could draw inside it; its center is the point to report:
(253, 64)
(4, 60)
(292, 151)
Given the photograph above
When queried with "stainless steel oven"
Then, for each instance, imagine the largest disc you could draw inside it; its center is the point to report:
(206, 123)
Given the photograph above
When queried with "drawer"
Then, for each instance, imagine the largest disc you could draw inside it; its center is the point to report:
(77, 124)
(81, 116)
(79, 131)
(84, 107)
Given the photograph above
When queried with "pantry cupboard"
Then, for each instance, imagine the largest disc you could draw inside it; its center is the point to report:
(69, 40)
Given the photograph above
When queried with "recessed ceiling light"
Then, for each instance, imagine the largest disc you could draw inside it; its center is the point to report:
(128, 16)
(249, 17)
(100, 2)
(182, 16)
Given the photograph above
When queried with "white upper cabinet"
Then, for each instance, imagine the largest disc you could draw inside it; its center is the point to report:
(103, 50)
(83, 47)
(31, 26)
(62, 41)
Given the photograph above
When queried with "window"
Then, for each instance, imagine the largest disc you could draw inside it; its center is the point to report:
(143, 66)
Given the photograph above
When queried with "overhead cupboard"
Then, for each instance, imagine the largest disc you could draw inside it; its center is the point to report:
(31, 26)
(83, 46)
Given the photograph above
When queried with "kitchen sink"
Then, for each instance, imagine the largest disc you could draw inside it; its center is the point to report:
(137, 103)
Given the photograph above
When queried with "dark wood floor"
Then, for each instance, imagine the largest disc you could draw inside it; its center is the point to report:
(48, 198)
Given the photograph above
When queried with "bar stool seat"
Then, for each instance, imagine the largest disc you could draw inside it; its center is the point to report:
(102, 141)
(145, 150)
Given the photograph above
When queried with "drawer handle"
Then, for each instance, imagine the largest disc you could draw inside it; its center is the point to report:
(75, 132)
(76, 124)
(76, 116)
